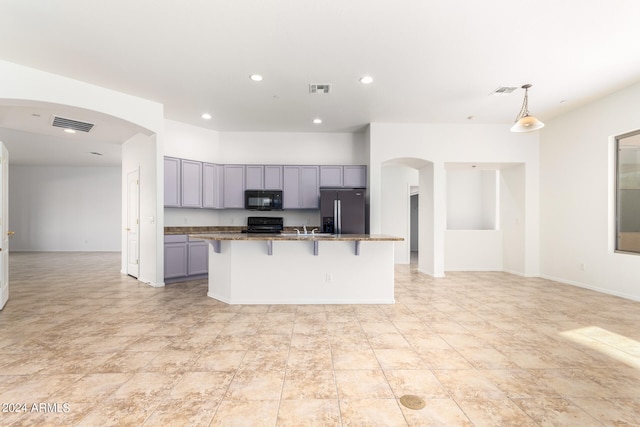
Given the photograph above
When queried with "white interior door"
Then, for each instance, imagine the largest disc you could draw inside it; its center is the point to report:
(133, 222)
(4, 226)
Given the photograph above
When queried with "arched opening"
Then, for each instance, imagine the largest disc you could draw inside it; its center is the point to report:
(66, 190)
(407, 209)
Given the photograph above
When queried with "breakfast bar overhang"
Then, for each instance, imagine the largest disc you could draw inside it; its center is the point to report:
(304, 269)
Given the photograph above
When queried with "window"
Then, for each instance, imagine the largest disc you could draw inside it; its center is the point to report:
(628, 192)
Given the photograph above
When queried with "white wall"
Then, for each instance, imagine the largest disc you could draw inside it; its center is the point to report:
(513, 217)
(64, 208)
(471, 199)
(140, 152)
(297, 148)
(473, 250)
(577, 196)
(191, 142)
(442, 144)
(396, 183)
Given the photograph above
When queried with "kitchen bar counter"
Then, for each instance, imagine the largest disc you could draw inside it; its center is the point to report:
(276, 269)
(309, 236)
(216, 238)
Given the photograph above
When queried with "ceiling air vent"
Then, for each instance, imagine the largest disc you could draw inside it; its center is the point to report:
(503, 90)
(319, 88)
(64, 123)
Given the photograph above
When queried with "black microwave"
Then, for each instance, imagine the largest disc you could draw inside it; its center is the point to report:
(263, 200)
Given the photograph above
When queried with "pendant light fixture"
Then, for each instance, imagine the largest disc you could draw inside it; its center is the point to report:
(524, 121)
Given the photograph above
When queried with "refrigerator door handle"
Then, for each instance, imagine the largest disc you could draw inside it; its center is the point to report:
(335, 216)
(339, 217)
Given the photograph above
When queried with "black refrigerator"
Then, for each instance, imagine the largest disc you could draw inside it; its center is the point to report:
(342, 210)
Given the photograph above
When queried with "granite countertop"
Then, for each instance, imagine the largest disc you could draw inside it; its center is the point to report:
(225, 229)
(266, 236)
(203, 229)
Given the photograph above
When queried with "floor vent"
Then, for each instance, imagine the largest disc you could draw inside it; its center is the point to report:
(64, 123)
(319, 88)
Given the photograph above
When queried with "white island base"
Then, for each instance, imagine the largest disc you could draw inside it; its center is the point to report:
(295, 272)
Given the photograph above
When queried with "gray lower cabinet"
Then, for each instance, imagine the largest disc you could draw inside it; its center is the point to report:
(184, 259)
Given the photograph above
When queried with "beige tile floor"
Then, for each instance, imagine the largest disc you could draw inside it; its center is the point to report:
(481, 349)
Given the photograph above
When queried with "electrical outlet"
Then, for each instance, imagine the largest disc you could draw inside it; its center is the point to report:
(329, 278)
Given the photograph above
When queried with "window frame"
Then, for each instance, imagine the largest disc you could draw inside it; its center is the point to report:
(618, 201)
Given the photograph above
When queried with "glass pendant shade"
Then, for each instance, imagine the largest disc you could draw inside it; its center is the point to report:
(527, 124)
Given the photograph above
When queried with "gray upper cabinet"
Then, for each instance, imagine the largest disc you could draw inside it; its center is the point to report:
(212, 186)
(300, 187)
(234, 186)
(351, 176)
(355, 176)
(272, 177)
(263, 177)
(171, 182)
(191, 184)
(254, 177)
(331, 176)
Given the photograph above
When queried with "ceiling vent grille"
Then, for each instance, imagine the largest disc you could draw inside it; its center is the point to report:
(65, 123)
(503, 90)
(319, 88)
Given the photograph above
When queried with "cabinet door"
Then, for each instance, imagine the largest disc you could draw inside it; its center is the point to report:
(212, 186)
(234, 186)
(291, 187)
(198, 258)
(355, 176)
(171, 182)
(272, 177)
(175, 260)
(191, 184)
(331, 176)
(309, 189)
(254, 177)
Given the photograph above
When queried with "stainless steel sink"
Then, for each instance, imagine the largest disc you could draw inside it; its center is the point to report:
(308, 235)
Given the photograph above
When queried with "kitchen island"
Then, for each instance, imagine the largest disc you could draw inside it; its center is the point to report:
(305, 269)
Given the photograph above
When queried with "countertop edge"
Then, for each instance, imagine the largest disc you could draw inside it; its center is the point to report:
(261, 237)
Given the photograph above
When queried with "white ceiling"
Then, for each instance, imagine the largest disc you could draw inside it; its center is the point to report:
(433, 61)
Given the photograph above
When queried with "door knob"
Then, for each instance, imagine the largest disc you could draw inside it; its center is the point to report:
(10, 233)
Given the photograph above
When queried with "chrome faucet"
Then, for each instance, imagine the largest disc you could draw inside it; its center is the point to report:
(314, 231)
(305, 229)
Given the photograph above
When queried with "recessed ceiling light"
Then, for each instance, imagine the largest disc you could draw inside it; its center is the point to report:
(366, 80)
(317, 121)
(67, 130)
(256, 77)
(206, 116)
